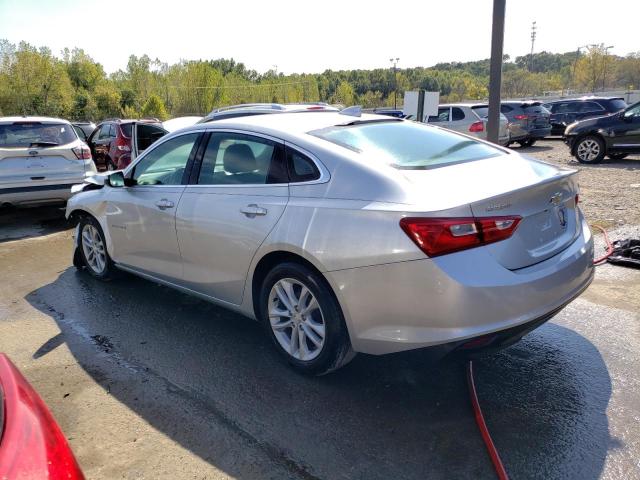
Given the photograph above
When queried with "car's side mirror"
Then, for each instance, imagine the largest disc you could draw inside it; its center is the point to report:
(116, 180)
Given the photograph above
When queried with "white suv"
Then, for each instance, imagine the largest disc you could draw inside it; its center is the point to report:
(40, 159)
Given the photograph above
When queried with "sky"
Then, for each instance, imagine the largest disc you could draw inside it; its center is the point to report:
(310, 37)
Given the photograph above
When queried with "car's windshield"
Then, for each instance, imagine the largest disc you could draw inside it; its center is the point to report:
(26, 134)
(407, 145)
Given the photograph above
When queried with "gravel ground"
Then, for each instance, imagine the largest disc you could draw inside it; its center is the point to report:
(609, 192)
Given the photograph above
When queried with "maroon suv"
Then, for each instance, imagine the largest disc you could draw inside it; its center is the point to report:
(115, 142)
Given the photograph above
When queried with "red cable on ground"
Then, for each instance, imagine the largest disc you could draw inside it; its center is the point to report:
(484, 431)
(486, 436)
(597, 261)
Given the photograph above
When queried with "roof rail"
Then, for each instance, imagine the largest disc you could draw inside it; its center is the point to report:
(266, 106)
(112, 119)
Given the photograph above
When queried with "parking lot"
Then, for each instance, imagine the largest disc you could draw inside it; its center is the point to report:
(147, 382)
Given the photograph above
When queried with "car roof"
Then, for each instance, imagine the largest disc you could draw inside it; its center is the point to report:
(469, 105)
(33, 119)
(583, 99)
(293, 123)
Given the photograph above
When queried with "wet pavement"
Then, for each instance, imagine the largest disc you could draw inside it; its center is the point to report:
(150, 383)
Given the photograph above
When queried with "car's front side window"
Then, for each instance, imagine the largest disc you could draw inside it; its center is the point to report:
(165, 164)
(240, 159)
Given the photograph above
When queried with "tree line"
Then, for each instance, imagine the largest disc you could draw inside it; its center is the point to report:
(34, 81)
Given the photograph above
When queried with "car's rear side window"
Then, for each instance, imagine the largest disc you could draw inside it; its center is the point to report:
(26, 134)
(301, 168)
(617, 104)
(126, 129)
(407, 145)
(457, 114)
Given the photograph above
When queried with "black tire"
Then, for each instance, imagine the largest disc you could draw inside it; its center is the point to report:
(589, 143)
(109, 270)
(336, 350)
(618, 156)
(529, 142)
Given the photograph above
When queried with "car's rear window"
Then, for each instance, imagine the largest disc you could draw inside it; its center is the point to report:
(482, 112)
(617, 104)
(26, 134)
(407, 145)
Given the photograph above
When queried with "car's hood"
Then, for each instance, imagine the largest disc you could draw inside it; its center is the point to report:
(604, 120)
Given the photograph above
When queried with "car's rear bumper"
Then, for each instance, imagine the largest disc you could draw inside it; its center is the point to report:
(539, 133)
(449, 299)
(32, 195)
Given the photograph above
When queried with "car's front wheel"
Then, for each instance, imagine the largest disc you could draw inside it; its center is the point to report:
(93, 249)
(590, 149)
(304, 319)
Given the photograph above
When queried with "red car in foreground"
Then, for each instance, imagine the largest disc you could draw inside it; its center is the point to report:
(32, 446)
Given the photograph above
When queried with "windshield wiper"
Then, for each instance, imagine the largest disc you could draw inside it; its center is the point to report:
(44, 144)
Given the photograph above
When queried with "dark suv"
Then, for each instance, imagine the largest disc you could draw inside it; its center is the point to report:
(528, 121)
(615, 135)
(115, 142)
(569, 110)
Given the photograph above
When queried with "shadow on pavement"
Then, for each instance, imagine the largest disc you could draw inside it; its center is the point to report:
(397, 416)
(19, 223)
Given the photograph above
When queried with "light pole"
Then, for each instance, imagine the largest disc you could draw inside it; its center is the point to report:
(604, 67)
(395, 61)
(533, 41)
(495, 70)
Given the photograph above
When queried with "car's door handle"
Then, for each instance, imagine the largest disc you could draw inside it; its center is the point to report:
(164, 204)
(252, 210)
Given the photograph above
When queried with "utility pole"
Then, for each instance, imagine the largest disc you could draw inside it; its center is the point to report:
(604, 61)
(575, 64)
(533, 41)
(395, 61)
(495, 70)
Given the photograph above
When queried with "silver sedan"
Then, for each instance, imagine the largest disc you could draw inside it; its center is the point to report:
(345, 233)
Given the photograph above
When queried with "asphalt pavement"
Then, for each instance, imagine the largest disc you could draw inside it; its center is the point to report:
(147, 382)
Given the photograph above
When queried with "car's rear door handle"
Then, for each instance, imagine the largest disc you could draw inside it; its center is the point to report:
(252, 210)
(164, 204)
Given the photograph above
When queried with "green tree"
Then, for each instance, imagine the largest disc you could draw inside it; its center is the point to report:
(154, 107)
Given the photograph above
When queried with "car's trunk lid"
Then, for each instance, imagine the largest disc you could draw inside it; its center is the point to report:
(508, 185)
(53, 164)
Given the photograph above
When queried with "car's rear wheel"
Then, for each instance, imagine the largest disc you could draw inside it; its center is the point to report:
(304, 319)
(93, 249)
(590, 149)
(529, 142)
(618, 156)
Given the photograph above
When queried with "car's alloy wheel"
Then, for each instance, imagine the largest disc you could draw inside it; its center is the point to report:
(296, 319)
(93, 248)
(590, 150)
(92, 251)
(302, 316)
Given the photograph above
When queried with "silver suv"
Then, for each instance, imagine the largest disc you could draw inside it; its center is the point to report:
(469, 118)
(40, 159)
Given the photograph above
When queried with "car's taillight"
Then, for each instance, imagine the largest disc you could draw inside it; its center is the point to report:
(439, 236)
(521, 117)
(122, 144)
(82, 152)
(32, 445)
(477, 126)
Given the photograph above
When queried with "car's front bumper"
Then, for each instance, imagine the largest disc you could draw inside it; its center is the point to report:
(415, 304)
